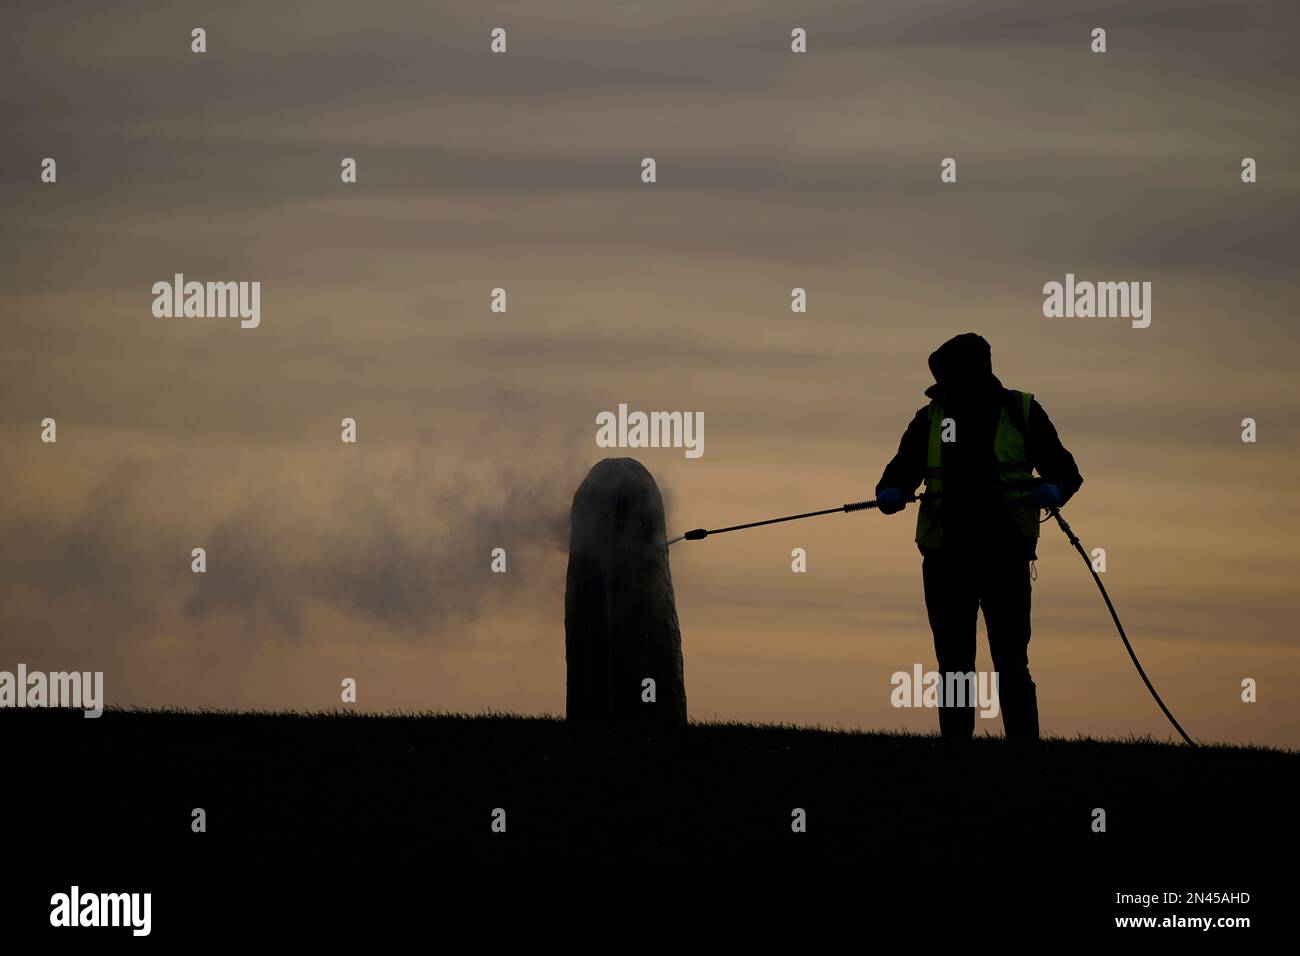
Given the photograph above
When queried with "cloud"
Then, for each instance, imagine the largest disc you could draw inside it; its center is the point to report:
(818, 171)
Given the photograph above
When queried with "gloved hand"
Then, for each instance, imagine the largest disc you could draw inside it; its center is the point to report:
(890, 501)
(1048, 495)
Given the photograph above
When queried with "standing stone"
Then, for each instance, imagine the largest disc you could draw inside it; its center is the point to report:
(620, 615)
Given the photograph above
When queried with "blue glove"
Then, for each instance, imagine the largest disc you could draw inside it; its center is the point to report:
(890, 501)
(1048, 495)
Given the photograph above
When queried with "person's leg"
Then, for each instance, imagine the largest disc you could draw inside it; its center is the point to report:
(1005, 598)
(952, 603)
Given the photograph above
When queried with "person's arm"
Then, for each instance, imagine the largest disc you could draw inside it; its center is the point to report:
(1053, 461)
(906, 469)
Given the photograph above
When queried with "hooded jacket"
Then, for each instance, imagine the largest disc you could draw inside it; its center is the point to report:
(972, 512)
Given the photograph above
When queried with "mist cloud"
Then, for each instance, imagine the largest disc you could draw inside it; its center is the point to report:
(408, 549)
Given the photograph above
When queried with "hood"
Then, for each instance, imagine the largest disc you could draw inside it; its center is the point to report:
(962, 364)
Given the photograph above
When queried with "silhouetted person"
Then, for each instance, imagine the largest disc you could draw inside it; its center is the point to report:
(978, 444)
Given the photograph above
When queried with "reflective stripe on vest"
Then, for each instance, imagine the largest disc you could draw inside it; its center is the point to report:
(1013, 466)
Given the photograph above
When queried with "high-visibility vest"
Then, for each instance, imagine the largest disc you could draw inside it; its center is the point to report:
(1013, 466)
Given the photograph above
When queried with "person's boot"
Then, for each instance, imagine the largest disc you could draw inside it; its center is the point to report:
(1020, 716)
(956, 728)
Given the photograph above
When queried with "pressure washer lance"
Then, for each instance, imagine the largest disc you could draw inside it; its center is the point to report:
(698, 534)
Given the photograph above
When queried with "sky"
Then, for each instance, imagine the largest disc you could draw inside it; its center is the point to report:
(522, 171)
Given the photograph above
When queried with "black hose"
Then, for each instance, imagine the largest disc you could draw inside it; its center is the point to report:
(1074, 540)
(698, 534)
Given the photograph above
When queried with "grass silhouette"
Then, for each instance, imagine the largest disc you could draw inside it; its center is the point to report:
(398, 787)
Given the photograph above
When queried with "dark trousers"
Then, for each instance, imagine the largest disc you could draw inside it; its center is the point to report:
(957, 585)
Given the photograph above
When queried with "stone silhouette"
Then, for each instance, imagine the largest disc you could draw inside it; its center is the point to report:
(620, 615)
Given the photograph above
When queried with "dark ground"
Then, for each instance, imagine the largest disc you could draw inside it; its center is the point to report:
(372, 794)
